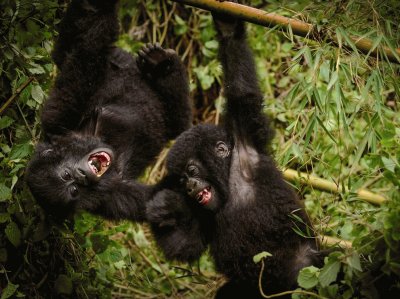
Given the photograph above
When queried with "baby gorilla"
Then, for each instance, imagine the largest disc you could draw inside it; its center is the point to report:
(224, 190)
(107, 117)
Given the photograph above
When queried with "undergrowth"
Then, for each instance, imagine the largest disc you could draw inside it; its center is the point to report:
(336, 113)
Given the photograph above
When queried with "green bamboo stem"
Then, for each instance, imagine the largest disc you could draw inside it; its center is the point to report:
(260, 17)
(325, 185)
(327, 241)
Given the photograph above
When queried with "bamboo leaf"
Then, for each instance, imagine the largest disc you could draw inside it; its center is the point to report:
(333, 80)
(326, 130)
(360, 150)
(348, 40)
(391, 47)
(375, 44)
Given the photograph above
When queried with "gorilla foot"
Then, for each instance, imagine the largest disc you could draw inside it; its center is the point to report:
(155, 61)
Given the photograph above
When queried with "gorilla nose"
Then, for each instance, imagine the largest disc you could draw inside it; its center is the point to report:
(191, 186)
(80, 177)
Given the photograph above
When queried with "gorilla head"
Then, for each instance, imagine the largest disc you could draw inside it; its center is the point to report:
(201, 158)
(58, 174)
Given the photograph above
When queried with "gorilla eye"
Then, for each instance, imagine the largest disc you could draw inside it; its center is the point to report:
(221, 149)
(73, 190)
(66, 176)
(192, 170)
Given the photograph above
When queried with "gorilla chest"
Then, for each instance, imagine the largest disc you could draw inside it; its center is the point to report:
(242, 190)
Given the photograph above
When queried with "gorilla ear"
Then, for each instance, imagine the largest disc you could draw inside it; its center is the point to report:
(45, 150)
(221, 149)
(46, 153)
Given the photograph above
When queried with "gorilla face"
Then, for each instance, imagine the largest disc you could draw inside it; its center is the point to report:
(60, 174)
(197, 187)
(86, 171)
(200, 158)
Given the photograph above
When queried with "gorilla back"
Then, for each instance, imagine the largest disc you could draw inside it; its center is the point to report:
(106, 118)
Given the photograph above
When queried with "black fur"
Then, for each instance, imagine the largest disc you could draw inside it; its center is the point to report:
(224, 190)
(104, 99)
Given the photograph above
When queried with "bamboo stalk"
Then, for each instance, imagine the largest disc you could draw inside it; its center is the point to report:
(332, 241)
(325, 185)
(260, 17)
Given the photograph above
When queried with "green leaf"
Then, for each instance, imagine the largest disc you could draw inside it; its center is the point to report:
(5, 193)
(13, 234)
(212, 44)
(37, 94)
(308, 277)
(286, 47)
(360, 149)
(354, 261)
(5, 122)
(180, 27)
(329, 273)
(389, 164)
(333, 80)
(63, 285)
(120, 265)
(206, 80)
(140, 238)
(36, 69)
(258, 257)
(21, 151)
(4, 217)
(9, 290)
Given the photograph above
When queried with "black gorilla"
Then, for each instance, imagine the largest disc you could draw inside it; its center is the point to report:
(107, 117)
(224, 190)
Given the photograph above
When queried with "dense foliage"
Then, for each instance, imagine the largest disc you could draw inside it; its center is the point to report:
(337, 116)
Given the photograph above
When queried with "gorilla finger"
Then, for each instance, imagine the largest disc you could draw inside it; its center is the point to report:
(142, 54)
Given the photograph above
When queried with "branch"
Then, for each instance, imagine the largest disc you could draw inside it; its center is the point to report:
(325, 185)
(15, 95)
(260, 17)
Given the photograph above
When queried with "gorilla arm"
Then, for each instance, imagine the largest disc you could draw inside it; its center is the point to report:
(176, 229)
(117, 199)
(244, 109)
(81, 52)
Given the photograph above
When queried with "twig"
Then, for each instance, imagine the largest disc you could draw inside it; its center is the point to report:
(282, 293)
(260, 17)
(174, 290)
(15, 95)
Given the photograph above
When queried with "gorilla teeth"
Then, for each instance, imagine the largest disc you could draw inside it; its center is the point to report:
(204, 196)
(99, 163)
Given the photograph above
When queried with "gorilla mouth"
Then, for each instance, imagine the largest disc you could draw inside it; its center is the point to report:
(204, 196)
(99, 163)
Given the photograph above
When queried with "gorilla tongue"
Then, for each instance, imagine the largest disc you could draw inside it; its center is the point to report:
(99, 163)
(204, 196)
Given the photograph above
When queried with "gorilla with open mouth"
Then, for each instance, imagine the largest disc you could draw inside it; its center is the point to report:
(107, 117)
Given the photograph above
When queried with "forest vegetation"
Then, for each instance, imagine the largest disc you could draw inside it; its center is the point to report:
(337, 116)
